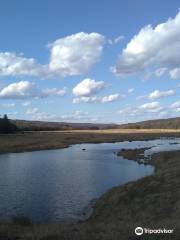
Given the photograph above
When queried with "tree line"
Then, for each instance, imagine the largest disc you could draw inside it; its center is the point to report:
(6, 126)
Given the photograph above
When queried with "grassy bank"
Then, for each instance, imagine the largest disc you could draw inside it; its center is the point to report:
(32, 141)
(151, 202)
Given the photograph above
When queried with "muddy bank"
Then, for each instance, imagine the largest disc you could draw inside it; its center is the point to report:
(136, 154)
(152, 202)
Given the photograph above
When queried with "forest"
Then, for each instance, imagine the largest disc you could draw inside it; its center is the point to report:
(6, 126)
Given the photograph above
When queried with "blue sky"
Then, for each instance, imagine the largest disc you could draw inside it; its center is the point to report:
(90, 61)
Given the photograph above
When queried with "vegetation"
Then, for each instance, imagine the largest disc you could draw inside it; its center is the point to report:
(59, 126)
(31, 141)
(134, 154)
(171, 123)
(6, 126)
(151, 202)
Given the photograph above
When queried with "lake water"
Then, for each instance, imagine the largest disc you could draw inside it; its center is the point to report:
(58, 185)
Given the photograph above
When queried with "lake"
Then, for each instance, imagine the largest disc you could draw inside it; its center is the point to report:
(59, 185)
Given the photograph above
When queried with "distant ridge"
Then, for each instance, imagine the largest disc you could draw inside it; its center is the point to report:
(170, 123)
(25, 125)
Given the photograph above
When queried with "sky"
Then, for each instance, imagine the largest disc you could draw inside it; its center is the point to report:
(105, 61)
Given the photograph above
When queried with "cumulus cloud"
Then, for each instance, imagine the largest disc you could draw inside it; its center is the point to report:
(12, 64)
(26, 89)
(151, 107)
(150, 110)
(176, 105)
(160, 94)
(76, 54)
(20, 90)
(71, 55)
(153, 49)
(110, 98)
(88, 87)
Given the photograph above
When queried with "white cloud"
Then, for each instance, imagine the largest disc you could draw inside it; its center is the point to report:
(175, 105)
(175, 73)
(78, 116)
(75, 54)
(116, 40)
(160, 71)
(20, 90)
(153, 48)
(92, 99)
(152, 110)
(85, 99)
(12, 64)
(37, 115)
(8, 105)
(32, 111)
(130, 111)
(71, 55)
(88, 87)
(160, 94)
(26, 89)
(177, 110)
(54, 91)
(110, 98)
(151, 107)
(130, 90)
(26, 104)
(163, 114)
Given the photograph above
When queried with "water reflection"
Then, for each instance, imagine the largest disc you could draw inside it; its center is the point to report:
(56, 185)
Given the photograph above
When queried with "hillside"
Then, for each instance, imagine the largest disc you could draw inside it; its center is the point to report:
(59, 126)
(170, 123)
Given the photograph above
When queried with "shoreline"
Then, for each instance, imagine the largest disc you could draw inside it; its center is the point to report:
(151, 202)
(163, 215)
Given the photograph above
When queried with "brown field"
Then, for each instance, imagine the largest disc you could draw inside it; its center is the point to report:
(31, 141)
(128, 131)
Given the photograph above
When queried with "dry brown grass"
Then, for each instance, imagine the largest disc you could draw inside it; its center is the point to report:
(118, 131)
(31, 141)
